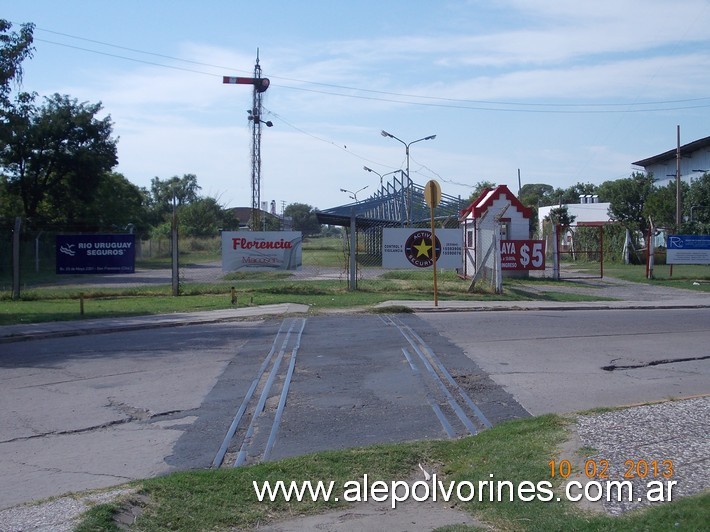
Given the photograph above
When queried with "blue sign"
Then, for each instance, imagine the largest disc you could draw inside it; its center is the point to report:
(96, 254)
(688, 249)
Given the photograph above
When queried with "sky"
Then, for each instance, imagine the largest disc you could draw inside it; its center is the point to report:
(556, 92)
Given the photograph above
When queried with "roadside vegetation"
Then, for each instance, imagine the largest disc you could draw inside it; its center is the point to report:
(515, 451)
(687, 276)
(64, 303)
(42, 302)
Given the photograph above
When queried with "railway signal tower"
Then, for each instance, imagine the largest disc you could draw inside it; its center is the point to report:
(259, 85)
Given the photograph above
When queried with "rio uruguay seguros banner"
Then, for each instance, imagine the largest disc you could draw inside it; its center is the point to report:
(261, 250)
(96, 254)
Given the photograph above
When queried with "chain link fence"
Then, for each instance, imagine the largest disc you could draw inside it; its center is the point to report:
(331, 259)
(349, 257)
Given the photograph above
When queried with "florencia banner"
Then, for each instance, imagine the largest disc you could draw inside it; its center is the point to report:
(261, 250)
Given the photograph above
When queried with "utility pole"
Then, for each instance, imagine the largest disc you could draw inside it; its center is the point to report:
(260, 85)
(677, 182)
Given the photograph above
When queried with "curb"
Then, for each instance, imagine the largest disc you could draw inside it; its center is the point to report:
(73, 328)
(159, 321)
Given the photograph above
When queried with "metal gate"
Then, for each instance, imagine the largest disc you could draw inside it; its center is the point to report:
(581, 251)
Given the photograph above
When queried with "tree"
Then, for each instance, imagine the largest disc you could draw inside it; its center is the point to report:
(270, 222)
(660, 205)
(303, 218)
(204, 217)
(478, 189)
(571, 195)
(180, 190)
(10, 205)
(535, 194)
(198, 216)
(561, 216)
(118, 204)
(56, 154)
(14, 49)
(696, 205)
(627, 198)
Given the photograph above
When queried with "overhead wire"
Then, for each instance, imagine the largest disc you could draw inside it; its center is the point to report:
(344, 87)
(395, 97)
(401, 98)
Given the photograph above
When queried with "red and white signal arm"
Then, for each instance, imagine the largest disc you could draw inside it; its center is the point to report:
(522, 254)
(260, 84)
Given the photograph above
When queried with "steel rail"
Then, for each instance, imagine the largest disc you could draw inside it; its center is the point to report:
(435, 407)
(284, 393)
(219, 457)
(450, 379)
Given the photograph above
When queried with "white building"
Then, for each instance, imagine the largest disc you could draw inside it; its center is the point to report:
(496, 209)
(694, 162)
(587, 212)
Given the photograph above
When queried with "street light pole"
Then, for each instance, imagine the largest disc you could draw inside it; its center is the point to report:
(353, 195)
(379, 174)
(406, 147)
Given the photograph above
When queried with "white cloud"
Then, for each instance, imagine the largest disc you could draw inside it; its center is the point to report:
(181, 120)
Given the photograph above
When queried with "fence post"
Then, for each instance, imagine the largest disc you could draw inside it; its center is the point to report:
(601, 252)
(353, 251)
(555, 252)
(175, 255)
(650, 254)
(627, 241)
(16, 259)
(498, 274)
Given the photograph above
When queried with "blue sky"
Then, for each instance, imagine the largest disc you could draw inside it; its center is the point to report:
(566, 92)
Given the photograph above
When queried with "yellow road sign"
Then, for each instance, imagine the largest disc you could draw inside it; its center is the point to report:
(432, 193)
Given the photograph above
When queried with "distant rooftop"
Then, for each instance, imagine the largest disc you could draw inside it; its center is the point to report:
(685, 151)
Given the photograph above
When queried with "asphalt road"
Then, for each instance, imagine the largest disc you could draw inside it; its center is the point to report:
(573, 360)
(97, 410)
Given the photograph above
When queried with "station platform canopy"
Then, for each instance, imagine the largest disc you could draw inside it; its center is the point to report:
(398, 203)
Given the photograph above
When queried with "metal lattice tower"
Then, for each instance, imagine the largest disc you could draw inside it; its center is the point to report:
(256, 152)
(260, 85)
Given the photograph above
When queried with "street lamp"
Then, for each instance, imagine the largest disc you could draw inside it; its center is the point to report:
(379, 174)
(253, 115)
(353, 195)
(406, 146)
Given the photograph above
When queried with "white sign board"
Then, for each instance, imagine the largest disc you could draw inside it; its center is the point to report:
(412, 248)
(261, 250)
(688, 249)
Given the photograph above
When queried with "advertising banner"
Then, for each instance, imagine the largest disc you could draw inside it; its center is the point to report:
(522, 254)
(688, 249)
(96, 254)
(412, 248)
(261, 250)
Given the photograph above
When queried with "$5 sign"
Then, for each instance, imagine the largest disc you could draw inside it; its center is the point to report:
(523, 254)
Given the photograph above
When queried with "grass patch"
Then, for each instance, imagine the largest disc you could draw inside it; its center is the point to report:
(100, 517)
(257, 276)
(42, 304)
(514, 451)
(684, 275)
(522, 293)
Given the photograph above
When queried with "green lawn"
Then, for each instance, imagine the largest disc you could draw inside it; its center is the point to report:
(59, 304)
(681, 276)
(55, 303)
